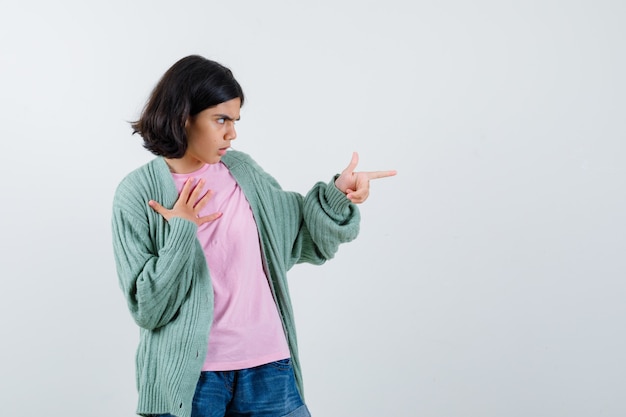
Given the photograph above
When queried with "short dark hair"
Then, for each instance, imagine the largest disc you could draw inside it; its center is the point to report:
(188, 87)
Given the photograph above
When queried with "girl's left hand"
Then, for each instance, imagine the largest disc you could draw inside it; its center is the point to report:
(356, 185)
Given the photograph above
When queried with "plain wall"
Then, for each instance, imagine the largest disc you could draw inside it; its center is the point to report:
(488, 279)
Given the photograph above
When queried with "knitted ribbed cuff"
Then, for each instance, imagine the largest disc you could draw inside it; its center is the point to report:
(336, 198)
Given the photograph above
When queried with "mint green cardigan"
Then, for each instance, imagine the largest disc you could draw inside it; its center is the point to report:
(165, 279)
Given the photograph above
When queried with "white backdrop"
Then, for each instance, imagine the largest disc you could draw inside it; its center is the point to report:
(488, 278)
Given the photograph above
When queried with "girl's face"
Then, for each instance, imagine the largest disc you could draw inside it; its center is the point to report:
(208, 136)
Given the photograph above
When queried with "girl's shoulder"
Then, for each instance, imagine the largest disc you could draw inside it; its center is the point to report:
(238, 160)
(151, 171)
(148, 179)
(233, 158)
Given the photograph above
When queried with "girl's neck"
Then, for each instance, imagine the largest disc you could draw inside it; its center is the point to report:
(183, 165)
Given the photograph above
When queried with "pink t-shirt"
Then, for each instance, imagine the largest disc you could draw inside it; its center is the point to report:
(246, 329)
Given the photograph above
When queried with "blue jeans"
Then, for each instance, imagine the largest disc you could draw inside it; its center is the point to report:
(263, 391)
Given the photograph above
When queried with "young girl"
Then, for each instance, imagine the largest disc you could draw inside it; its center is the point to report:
(203, 239)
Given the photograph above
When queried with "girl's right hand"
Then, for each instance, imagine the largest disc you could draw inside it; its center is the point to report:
(188, 205)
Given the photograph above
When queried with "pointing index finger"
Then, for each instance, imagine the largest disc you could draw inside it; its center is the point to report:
(372, 175)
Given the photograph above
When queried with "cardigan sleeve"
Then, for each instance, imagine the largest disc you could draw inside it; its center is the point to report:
(155, 281)
(328, 220)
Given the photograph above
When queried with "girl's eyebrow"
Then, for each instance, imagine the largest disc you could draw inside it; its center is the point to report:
(227, 117)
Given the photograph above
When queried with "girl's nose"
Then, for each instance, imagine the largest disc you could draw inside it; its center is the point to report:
(231, 133)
